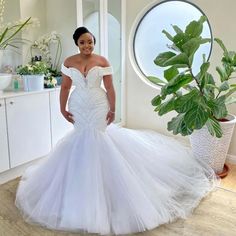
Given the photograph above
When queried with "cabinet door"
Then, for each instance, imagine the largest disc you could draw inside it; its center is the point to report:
(59, 125)
(28, 127)
(4, 155)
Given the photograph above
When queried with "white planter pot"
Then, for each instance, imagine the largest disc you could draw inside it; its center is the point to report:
(212, 150)
(33, 82)
(5, 80)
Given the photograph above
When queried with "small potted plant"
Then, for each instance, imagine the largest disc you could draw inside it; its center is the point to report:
(55, 74)
(33, 75)
(50, 80)
(200, 100)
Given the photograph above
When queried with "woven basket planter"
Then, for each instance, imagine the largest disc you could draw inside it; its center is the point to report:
(212, 150)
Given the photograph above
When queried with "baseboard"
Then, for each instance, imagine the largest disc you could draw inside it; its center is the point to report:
(231, 159)
(16, 172)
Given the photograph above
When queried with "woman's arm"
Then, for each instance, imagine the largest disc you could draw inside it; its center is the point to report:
(64, 93)
(107, 80)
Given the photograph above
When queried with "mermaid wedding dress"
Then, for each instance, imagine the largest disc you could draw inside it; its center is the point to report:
(110, 180)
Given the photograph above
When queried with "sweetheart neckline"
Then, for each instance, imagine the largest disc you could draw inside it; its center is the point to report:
(84, 76)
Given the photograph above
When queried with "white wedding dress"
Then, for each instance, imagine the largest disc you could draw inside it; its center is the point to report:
(110, 180)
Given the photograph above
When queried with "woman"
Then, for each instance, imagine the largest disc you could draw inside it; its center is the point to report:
(104, 179)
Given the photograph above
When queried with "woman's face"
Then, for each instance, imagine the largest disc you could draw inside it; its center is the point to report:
(86, 44)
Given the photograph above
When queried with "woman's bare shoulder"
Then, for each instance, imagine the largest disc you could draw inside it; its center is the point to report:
(102, 60)
(69, 61)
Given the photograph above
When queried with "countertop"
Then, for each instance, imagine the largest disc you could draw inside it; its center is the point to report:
(11, 93)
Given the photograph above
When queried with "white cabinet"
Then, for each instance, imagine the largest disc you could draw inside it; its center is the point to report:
(59, 125)
(30, 125)
(4, 155)
(29, 134)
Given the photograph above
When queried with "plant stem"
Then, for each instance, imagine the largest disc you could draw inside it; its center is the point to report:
(198, 84)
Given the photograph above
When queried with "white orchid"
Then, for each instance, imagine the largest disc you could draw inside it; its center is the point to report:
(44, 45)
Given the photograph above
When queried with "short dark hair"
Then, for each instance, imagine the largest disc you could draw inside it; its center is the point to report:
(79, 31)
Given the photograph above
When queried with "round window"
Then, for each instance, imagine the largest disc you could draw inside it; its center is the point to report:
(147, 39)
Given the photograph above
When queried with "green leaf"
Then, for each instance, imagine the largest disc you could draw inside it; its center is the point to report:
(194, 28)
(209, 86)
(178, 126)
(156, 100)
(221, 44)
(180, 60)
(3, 35)
(202, 19)
(226, 53)
(191, 46)
(157, 108)
(163, 57)
(197, 116)
(166, 106)
(186, 102)
(222, 73)
(20, 26)
(176, 83)
(214, 127)
(170, 73)
(167, 35)
(224, 86)
(218, 107)
(204, 67)
(177, 29)
(203, 70)
(179, 40)
(156, 80)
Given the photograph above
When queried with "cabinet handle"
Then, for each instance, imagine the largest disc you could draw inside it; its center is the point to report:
(0, 104)
(11, 102)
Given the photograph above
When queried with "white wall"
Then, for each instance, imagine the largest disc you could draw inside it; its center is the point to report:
(54, 15)
(61, 17)
(139, 110)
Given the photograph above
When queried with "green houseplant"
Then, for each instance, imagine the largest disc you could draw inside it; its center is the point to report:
(200, 100)
(32, 68)
(33, 75)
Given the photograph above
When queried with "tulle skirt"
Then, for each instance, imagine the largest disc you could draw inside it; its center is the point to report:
(116, 181)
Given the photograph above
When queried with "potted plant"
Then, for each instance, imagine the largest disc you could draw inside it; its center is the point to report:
(50, 80)
(33, 75)
(200, 100)
(53, 78)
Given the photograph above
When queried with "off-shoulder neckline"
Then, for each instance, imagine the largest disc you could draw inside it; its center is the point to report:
(91, 69)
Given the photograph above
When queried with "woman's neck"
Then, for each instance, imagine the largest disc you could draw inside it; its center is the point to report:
(85, 57)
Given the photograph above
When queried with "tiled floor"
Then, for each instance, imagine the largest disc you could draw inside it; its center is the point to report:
(229, 182)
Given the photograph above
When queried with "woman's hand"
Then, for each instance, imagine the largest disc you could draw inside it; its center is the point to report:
(110, 117)
(68, 116)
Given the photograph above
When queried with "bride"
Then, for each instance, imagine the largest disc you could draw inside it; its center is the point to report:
(106, 179)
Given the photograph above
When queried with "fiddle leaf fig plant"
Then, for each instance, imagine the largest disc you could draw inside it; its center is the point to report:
(199, 99)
